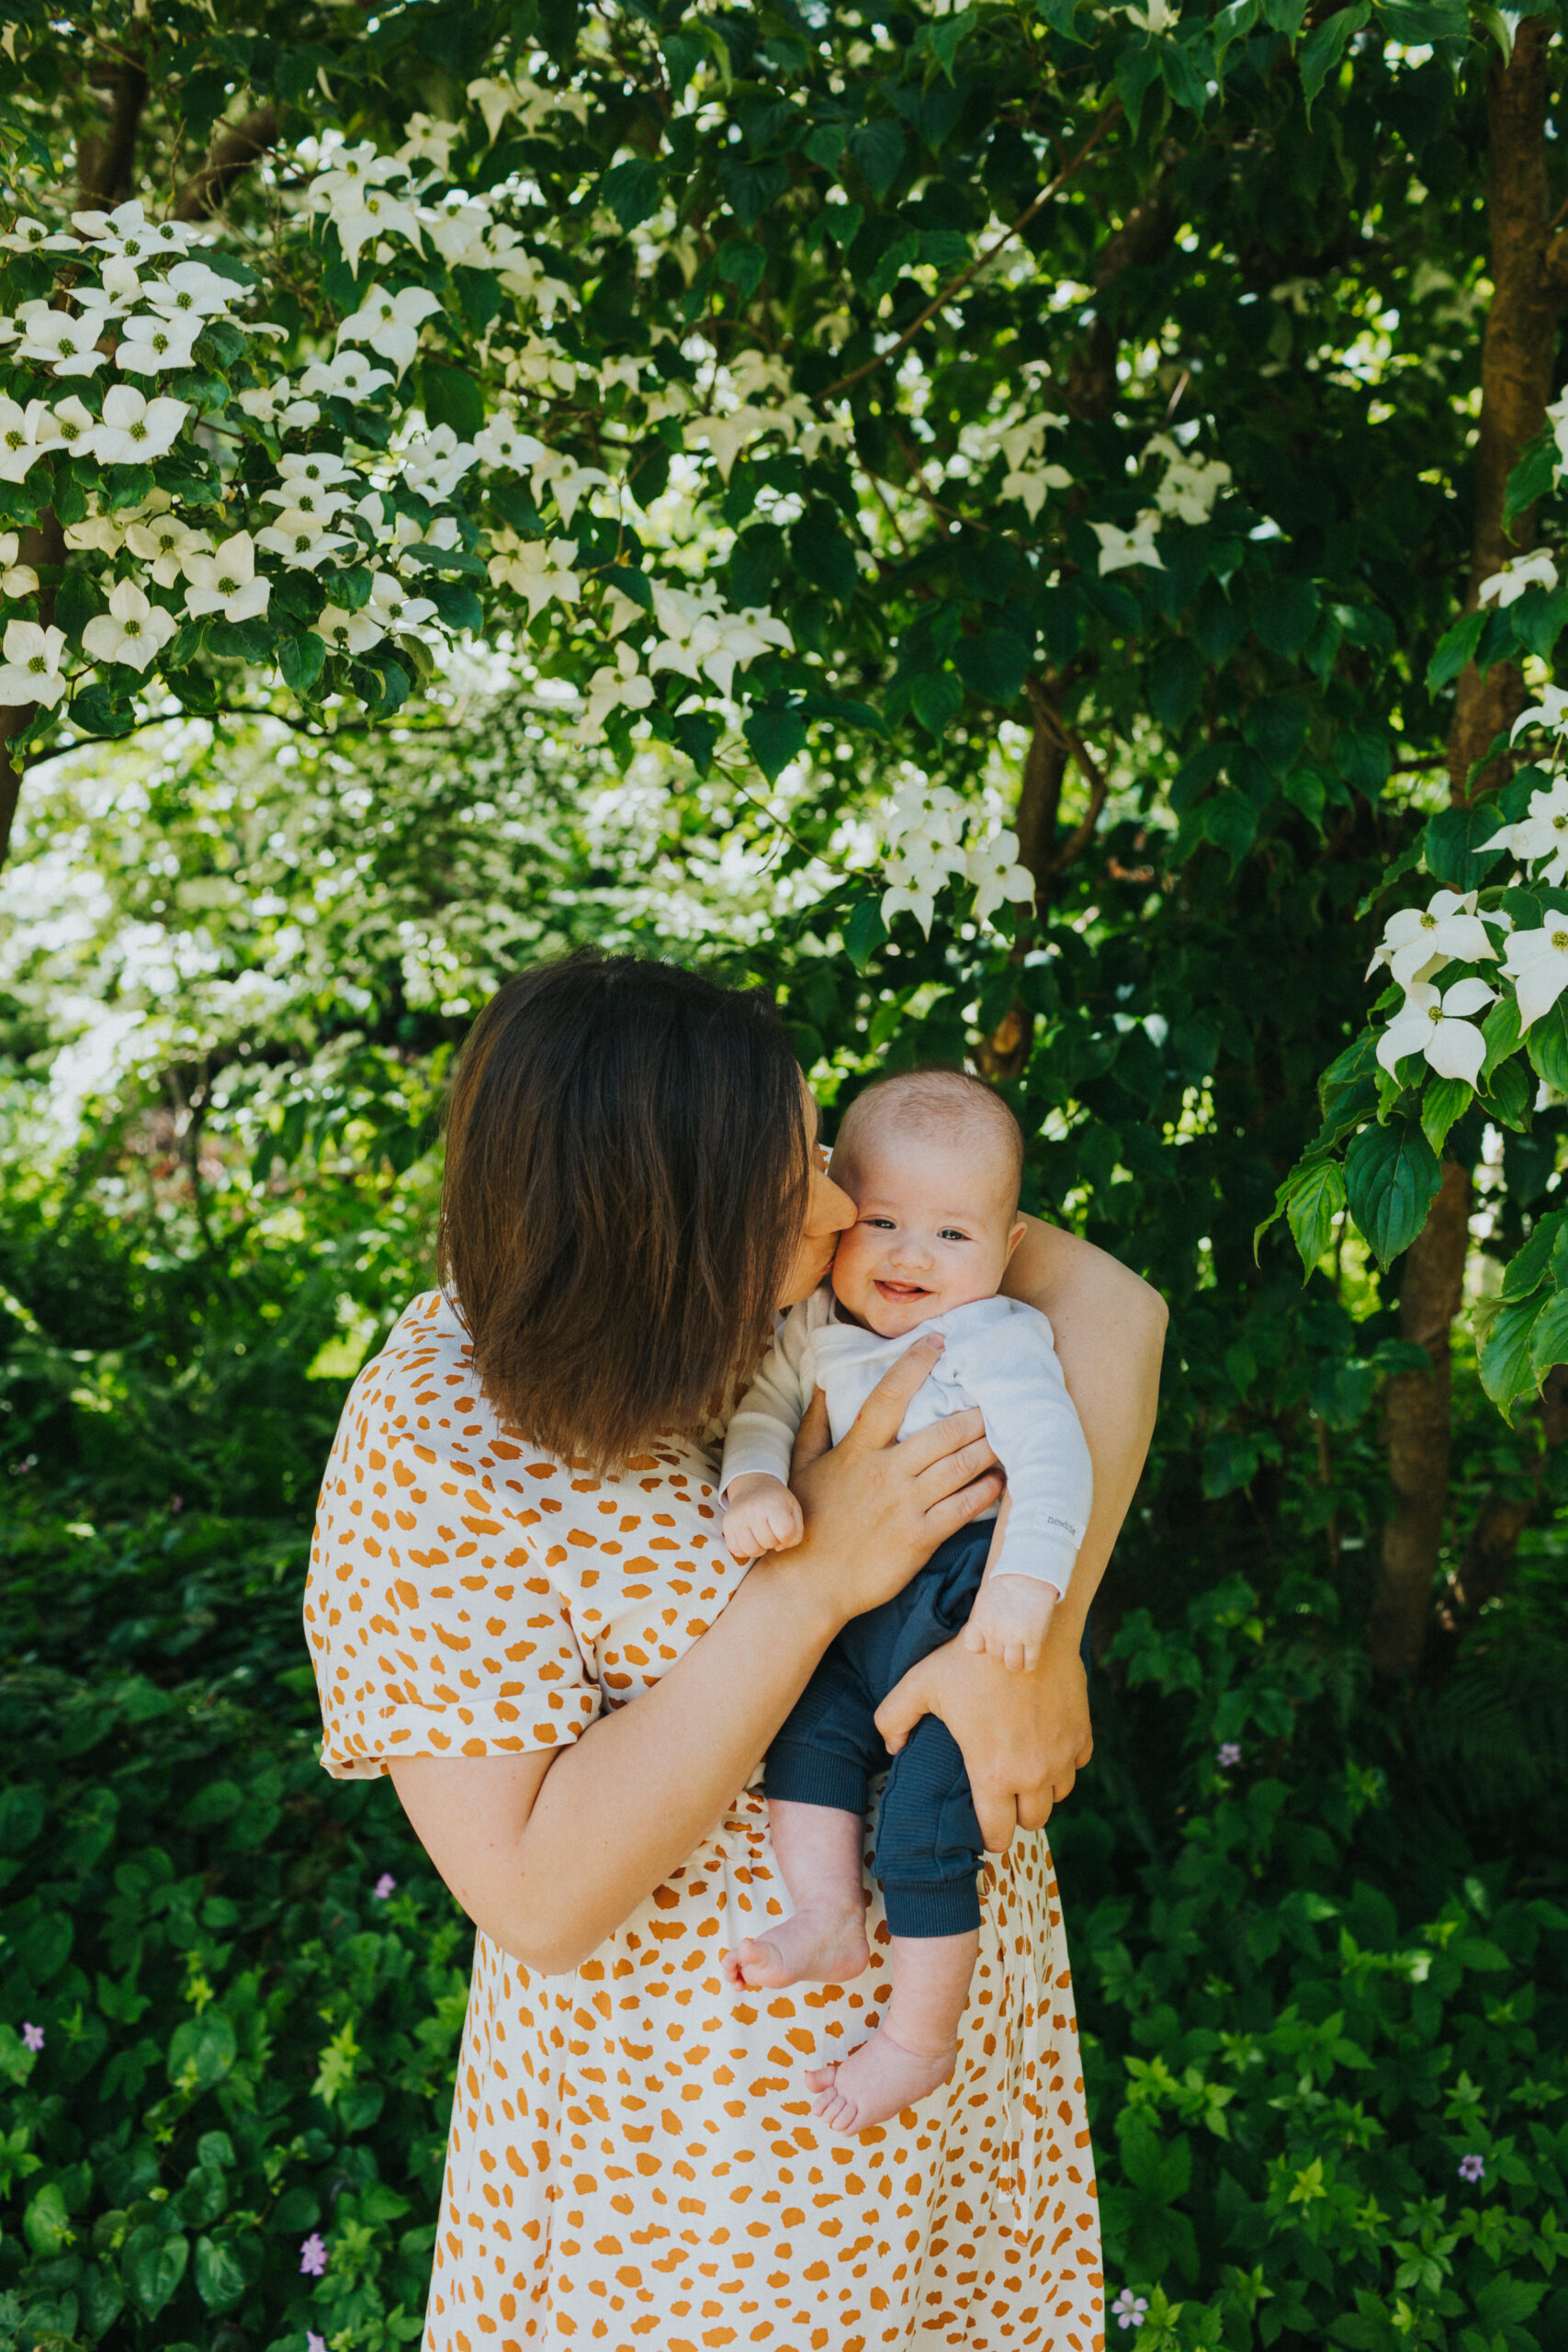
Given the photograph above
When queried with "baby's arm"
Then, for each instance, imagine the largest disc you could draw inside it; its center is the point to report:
(1011, 1613)
(1031, 1422)
(761, 1514)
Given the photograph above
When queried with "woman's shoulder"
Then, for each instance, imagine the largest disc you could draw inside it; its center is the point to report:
(422, 1375)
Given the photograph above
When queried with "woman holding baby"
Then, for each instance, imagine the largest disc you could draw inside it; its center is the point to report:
(705, 2096)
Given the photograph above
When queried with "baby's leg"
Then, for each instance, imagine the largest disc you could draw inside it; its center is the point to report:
(916, 2047)
(823, 1941)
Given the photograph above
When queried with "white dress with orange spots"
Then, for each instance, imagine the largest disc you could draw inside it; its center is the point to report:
(634, 2164)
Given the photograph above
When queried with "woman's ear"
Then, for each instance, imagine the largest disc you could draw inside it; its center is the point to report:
(1019, 1228)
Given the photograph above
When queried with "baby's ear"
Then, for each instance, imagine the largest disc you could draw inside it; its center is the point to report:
(1019, 1228)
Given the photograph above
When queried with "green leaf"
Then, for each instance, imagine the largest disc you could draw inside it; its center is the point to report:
(154, 2266)
(776, 736)
(1444, 1101)
(878, 149)
(1454, 844)
(21, 1816)
(1546, 1043)
(1501, 1031)
(824, 554)
(1315, 1199)
(1455, 650)
(1506, 1370)
(741, 264)
(46, 2224)
(1137, 69)
(697, 735)
(1325, 46)
(994, 665)
(864, 933)
(1176, 682)
(1533, 478)
(300, 659)
(1529, 1270)
(632, 191)
(219, 2281)
(202, 2049)
(936, 699)
(458, 606)
(75, 602)
(452, 396)
(1549, 1340)
(1391, 1181)
(1510, 1096)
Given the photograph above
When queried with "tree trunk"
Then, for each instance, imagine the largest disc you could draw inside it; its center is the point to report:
(1418, 1428)
(1518, 356)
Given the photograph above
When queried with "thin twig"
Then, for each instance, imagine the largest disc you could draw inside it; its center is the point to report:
(961, 280)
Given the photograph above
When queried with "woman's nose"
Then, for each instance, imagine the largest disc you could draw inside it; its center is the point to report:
(830, 1209)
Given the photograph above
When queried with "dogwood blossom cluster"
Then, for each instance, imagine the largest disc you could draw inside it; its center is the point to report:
(933, 838)
(1187, 494)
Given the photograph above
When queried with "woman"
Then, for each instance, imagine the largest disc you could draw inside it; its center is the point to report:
(633, 1188)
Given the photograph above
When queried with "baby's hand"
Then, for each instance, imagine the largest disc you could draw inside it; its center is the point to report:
(763, 1516)
(1010, 1620)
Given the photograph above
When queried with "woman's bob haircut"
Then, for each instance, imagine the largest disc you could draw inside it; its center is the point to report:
(627, 1168)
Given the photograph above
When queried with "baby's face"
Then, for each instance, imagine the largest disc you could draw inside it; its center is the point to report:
(934, 1228)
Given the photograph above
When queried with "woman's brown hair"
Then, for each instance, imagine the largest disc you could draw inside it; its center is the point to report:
(627, 1177)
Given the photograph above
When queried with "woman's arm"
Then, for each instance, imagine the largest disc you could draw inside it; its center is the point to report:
(549, 1853)
(1024, 1736)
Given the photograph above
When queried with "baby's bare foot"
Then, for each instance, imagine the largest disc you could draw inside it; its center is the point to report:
(876, 2083)
(817, 1945)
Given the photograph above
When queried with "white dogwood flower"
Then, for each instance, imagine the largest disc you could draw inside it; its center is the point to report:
(390, 323)
(349, 377)
(726, 437)
(536, 570)
(152, 346)
(127, 230)
(23, 437)
(1435, 1026)
(31, 671)
(134, 631)
(302, 539)
(72, 422)
(1418, 941)
(134, 429)
(226, 580)
(276, 403)
(375, 212)
(994, 869)
(347, 632)
(1541, 834)
(568, 480)
(434, 463)
(15, 579)
(503, 442)
(67, 345)
(621, 688)
(1550, 712)
(391, 604)
(1118, 549)
(28, 236)
(191, 290)
(1537, 962)
(429, 142)
(1505, 587)
(162, 543)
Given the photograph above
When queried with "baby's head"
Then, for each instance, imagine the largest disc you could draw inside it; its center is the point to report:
(931, 1160)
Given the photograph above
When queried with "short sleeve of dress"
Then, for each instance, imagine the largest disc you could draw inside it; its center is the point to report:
(435, 1627)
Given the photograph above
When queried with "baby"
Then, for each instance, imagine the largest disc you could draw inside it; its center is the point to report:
(932, 1161)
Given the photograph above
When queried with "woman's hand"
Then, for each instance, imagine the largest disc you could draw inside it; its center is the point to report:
(1025, 1737)
(875, 1509)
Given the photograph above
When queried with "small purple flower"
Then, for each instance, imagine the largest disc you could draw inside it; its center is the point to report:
(1130, 2309)
(1229, 1754)
(32, 2037)
(314, 2342)
(385, 1885)
(313, 2255)
(1473, 2168)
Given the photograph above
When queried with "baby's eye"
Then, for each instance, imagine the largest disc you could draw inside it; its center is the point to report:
(879, 1224)
(951, 1233)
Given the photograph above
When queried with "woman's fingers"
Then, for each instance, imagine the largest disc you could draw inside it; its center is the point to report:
(943, 1439)
(950, 1512)
(814, 1436)
(879, 1422)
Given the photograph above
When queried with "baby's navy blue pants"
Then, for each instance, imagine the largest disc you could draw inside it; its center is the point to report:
(929, 1846)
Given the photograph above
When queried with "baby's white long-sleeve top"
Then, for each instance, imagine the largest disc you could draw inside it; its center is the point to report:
(1000, 1356)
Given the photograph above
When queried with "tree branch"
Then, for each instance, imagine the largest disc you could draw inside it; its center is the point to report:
(991, 251)
(240, 145)
(105, 163)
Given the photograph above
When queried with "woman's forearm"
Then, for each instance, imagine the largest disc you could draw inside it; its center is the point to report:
(645, 1785)
(549, 1853)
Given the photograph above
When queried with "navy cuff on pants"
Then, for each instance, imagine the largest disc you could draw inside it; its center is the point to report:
(949, 1906)
(805, 1775)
